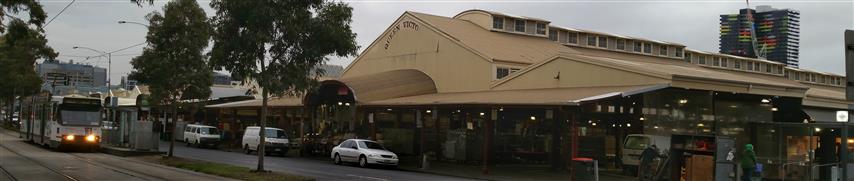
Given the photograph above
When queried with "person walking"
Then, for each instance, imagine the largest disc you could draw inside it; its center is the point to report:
(646, 162)
(748, 163)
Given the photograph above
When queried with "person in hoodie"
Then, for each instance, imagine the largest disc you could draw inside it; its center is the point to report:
(748, 163)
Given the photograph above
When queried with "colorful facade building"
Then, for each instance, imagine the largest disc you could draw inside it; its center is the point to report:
(777, 34)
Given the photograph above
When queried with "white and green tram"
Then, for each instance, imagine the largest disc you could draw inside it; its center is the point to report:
(62, 121)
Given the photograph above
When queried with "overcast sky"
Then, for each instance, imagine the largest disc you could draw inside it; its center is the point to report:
(93, 23)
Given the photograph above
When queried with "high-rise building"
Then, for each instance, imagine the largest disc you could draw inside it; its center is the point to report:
(776, 32)
(68, 77)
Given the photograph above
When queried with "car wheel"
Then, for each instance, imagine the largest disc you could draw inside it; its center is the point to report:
(246, 149)
(363, 162)
(337, 159)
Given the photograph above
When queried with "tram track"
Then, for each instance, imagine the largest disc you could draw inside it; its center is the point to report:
(76, 156)
(39, 163)
(8, 174)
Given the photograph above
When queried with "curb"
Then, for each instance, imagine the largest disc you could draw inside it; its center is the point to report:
(417, 170)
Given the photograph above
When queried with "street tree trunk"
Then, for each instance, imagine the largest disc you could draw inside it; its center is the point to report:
(174, 129)
(263, 131)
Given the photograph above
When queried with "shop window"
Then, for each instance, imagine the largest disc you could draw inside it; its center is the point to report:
(498, 23)
(519, 25)
(603, 42)
(541, 28)
(573, 38)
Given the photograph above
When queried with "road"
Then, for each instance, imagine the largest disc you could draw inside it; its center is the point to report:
(20, 160)
(321, 170)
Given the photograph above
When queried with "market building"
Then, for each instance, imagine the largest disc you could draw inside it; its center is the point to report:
(488, 88)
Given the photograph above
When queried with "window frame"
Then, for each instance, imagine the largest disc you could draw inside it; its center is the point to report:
(572, 36)
(553, 34)
(662, 50)
(516, 25)
(541, 29)
(621, 44)
(678, 52)
(600, 43)
(736, 64)
(591, 43)
(647, 48)
(498, 20)
(701, 60)
(638, 47)
(498, 70)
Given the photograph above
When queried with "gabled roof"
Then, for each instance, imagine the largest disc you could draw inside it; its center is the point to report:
(496, 46)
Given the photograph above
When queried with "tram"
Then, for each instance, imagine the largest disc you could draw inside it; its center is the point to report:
(62, 121)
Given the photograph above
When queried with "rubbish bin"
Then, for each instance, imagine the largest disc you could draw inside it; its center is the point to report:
(586, 169)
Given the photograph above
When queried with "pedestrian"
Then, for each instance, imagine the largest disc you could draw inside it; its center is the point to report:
(748, 163)
(646, 162)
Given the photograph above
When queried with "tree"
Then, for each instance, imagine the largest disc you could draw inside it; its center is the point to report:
(36, 13)
(20, 47)
(278, 44)
(173, 64)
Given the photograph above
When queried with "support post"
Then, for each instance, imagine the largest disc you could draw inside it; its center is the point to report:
(843, 152)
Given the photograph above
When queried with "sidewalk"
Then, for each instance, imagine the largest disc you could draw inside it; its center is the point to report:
(499, 172)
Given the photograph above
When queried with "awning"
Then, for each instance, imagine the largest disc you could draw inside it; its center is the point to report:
(271, 102)
(555, 96)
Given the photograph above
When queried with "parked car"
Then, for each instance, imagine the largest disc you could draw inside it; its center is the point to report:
(363, 152)
(275, 141)
(201, 135)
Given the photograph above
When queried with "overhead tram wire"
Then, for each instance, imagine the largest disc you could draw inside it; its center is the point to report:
(60, 13)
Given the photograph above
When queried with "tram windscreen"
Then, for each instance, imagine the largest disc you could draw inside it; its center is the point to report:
(81, 118)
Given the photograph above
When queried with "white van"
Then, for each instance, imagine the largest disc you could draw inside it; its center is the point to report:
(201, 135)
(636, 143)
(276, 140)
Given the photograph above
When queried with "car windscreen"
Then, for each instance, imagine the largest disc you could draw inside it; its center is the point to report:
(81, 118)
(371, 145)
(637, 142)
(211, 131)
(275, 133)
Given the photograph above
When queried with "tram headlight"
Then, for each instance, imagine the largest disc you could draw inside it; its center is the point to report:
(69, 137)
(91, 138)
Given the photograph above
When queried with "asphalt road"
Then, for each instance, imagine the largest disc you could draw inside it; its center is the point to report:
(321, 170)
(20, 160)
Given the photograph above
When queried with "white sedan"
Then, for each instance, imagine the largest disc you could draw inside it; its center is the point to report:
(364, 152)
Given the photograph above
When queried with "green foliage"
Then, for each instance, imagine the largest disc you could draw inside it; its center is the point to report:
(36, 13)
(20, 47)
(278, 43)
(173, 64)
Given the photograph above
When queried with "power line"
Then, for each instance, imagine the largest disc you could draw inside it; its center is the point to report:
(60, 13)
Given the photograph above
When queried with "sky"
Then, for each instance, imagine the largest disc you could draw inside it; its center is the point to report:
(93, 23)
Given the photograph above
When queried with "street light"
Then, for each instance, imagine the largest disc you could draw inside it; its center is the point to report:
(109, 60)
(132, 22)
